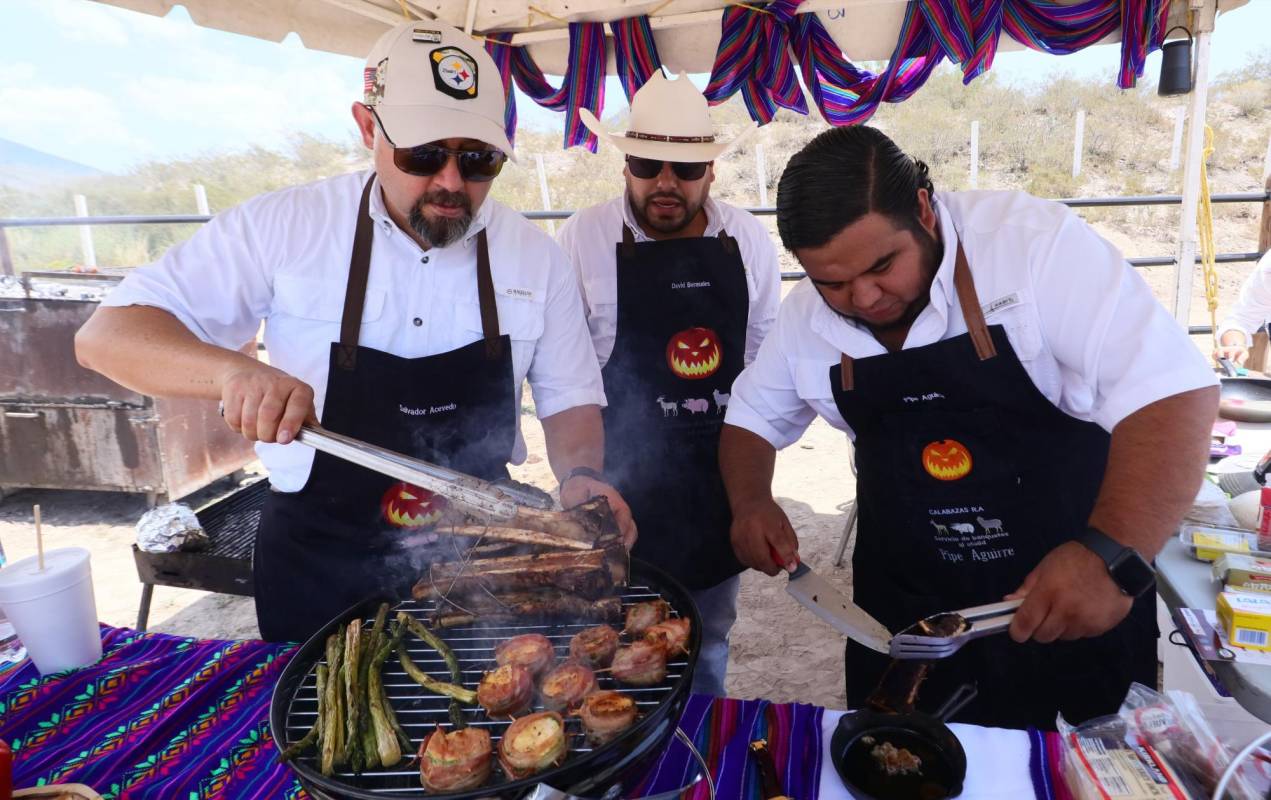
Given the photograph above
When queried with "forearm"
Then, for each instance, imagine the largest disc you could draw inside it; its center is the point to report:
(1155, 465)
(149, 351)
(575, 438)
(746, 462)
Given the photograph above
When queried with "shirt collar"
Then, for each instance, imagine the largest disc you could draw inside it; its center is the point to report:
(714, 224)
(855, 339)
(379, 214)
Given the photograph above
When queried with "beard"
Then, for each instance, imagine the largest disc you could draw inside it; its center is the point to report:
(641, 212)
(441, 231)
(928, 263)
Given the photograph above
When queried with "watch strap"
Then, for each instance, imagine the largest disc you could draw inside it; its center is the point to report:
(586, 472)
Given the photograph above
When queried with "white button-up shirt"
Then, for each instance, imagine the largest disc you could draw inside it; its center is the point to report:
(590, 239)
(1084, 324)
(1253, 307)
(283, 258)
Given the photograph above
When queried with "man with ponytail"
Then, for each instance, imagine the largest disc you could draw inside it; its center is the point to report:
(1028, 424)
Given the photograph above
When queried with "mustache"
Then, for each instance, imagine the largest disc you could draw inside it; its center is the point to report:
(446, 199)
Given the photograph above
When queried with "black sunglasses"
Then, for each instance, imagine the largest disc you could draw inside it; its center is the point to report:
(426, 160)
(649, 168)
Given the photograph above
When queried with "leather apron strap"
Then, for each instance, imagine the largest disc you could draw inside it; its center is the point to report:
(977, 328)
(359, 273)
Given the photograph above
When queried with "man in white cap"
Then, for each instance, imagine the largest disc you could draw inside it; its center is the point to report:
(401, 307)
(679, 291)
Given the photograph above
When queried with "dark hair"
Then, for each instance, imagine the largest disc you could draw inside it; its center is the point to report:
(839, 177)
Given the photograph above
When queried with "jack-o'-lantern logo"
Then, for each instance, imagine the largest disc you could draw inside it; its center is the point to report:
(946, 460)
(408, 506)
(694, 353)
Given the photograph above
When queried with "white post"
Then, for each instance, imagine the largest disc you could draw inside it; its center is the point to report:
(1176, 149)
(1078, 136)
(1185, 267)
(975, 155)
(200, 199)
(85, 235)
(761, 176)
(542, 190)
(1266, 162)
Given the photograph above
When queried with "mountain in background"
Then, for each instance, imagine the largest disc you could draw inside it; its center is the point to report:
(23, 167)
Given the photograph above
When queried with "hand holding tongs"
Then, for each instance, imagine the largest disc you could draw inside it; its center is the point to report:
(473, 495)
(977, 622)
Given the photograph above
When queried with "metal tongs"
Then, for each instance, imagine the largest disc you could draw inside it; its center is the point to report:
(472, 495)
(976, 622)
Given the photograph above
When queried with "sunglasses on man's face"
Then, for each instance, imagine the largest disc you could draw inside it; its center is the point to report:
(426, 160)
(649, 168)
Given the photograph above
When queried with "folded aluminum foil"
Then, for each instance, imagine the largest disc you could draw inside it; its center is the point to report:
(170, 528)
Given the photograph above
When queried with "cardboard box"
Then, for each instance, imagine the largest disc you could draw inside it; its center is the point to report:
(1246, 617)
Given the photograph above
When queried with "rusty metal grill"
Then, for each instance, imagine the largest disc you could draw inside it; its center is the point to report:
(420, 711)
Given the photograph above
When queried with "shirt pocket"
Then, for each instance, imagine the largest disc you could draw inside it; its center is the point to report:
(321, 301)
(521, 320)
(1023, 328)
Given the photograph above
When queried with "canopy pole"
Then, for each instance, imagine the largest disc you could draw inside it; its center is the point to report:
(1185, 267)
(471, 18)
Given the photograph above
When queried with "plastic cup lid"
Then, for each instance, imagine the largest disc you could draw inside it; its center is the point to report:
(24, 580)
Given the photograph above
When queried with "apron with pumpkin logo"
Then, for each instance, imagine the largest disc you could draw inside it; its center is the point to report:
(347, 535)
(681, 341)
(967, 477)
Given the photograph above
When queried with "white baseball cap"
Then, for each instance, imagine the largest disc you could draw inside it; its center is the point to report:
(428, 81)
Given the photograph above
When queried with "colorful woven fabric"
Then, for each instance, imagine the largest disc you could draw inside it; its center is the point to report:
(158, 717)
(754, 57)
(635, 53)
(583, 87)
(722, 730)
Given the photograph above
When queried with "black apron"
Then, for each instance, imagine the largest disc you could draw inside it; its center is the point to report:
(345, 536)
(681, 340)
(967, 477)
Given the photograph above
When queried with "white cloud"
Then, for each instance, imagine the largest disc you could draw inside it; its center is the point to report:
(89, 22)
(65, 120)
(21, 73)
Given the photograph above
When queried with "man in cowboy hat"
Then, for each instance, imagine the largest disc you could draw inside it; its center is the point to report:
(402, 307)
(679, 291)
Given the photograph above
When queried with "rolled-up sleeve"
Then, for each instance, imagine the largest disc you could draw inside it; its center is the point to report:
(215, 283)
(1253, 307)
(1104, 325)
(564, 373)
(765, 400)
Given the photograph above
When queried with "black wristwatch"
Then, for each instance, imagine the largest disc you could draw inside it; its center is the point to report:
(586, 472)
(1129, 571)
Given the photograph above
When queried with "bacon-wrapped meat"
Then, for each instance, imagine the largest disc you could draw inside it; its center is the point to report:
(532, 651)
(606, 714)
(533, 744)
(505, 691)
(594, 646)
(642, 616)
(566, 686)
(455, 761)
(641, 663)
(672, 633)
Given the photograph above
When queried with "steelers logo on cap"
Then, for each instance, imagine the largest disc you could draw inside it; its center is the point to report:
(454, 72)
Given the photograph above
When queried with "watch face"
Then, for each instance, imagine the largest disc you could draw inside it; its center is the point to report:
(1134, 575)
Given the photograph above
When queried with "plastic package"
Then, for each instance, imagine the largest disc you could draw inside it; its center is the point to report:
(1208, 543)
(1157, 746)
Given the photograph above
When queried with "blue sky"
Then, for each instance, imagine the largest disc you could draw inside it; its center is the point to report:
(111, 88)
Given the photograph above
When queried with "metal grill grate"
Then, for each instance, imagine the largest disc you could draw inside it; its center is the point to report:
(420, 711)
(231, 522)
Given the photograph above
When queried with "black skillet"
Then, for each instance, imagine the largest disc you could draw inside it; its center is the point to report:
(926, 736)
(1243, 399)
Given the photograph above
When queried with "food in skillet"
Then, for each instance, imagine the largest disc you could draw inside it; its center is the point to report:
(594, 646)
(506, 691)
(672, 633)
(642, 616)
(895, 760)
(532, 651)
(605, 714)
(566, 686)
(641, 663)
(455, 761)
(533, 744)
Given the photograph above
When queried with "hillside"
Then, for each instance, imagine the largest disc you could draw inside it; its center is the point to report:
(26, 168)
(1025, 138)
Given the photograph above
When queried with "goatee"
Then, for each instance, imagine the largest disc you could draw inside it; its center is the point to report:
(441, 231)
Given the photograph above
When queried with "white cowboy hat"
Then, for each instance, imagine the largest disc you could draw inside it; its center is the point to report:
(669, 121)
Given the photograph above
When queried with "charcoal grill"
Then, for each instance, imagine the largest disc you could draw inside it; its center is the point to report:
(608, 771)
